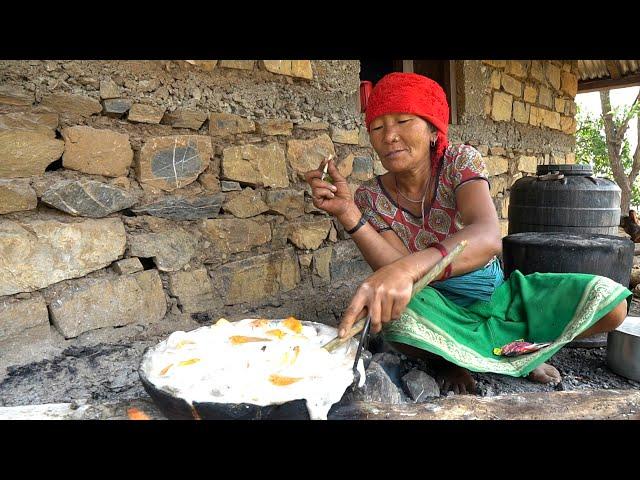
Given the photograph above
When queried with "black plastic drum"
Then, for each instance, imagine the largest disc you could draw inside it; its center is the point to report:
(564, 198)
(552, 252)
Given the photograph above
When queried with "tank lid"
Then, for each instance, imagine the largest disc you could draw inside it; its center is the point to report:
(566, 169)
(566, 240)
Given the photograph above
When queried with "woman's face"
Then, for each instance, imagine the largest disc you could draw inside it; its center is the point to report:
(402, 141)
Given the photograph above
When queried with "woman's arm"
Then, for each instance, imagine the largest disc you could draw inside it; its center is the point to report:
(386, 293)
(378, 249)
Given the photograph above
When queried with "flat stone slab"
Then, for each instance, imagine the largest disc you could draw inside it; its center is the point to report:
(178, 208)
(37, 253)
(88, 198)
(577, 405)
(173, 162)
(574, 405)
(83, 411)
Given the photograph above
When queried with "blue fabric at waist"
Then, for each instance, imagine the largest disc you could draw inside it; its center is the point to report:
(473, 286)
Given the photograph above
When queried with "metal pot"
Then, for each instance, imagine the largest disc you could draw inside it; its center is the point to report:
(623, 349)
(177, 408)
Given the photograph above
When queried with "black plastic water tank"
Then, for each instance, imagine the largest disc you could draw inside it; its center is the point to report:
(564, 198)
(555, 252)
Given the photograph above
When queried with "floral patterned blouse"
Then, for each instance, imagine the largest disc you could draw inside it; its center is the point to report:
(461, 164)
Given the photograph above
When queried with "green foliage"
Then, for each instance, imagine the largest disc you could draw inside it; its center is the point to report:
(591, 146)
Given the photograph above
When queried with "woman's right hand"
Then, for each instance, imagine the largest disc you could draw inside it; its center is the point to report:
(334, 199)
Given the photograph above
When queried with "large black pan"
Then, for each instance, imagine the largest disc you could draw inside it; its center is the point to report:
(177, 408)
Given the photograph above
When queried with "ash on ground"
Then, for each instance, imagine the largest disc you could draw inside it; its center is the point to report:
(100, 369)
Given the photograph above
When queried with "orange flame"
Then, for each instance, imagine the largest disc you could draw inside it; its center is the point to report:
(135, 414)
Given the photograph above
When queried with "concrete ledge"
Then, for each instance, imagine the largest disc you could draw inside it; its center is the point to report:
(576, 405)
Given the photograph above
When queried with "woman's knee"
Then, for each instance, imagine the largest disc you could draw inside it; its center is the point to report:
(615, 317)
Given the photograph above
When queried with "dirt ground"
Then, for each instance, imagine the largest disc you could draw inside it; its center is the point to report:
(99, 370)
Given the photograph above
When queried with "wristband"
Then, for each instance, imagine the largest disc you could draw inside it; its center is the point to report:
(443, 251)
(360, 223)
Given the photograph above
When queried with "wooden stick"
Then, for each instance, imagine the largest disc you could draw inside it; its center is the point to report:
(431, 275)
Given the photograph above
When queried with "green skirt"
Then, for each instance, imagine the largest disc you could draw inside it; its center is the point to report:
(540, 307)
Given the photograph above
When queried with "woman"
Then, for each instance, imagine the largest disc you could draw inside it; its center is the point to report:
(433, 196)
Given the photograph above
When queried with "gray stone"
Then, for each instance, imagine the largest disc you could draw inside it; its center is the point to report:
(178, 208)
(116, 107)
(348, 265)
(420, 386)
(17, 316)
(173, 162)
(128, 299)
(128, 265)
(170, 250)
(392, 365)
(378, 387)
(227, 186)
(38, 253)
(87, 198)
(16, 195)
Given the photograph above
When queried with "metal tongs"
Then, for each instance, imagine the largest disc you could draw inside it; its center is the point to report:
(364, 323)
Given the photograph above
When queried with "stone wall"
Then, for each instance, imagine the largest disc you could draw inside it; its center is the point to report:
(518, 114)
(131, 191)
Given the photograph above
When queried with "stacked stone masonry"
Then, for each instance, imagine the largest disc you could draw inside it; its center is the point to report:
(133, 189)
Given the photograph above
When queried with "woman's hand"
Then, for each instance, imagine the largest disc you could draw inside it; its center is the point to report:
(334, 199)
(384, 295)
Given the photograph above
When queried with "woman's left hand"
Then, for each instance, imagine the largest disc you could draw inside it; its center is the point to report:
(384, 295)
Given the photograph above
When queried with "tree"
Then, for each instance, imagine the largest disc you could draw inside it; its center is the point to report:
(603, 143)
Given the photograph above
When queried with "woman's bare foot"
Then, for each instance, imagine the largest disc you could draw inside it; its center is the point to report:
(545, 373)
(455, 378)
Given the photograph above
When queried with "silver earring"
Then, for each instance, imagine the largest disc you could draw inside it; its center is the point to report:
(433, 143)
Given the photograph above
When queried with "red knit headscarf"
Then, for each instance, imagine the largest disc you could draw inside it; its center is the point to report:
(417, 95)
